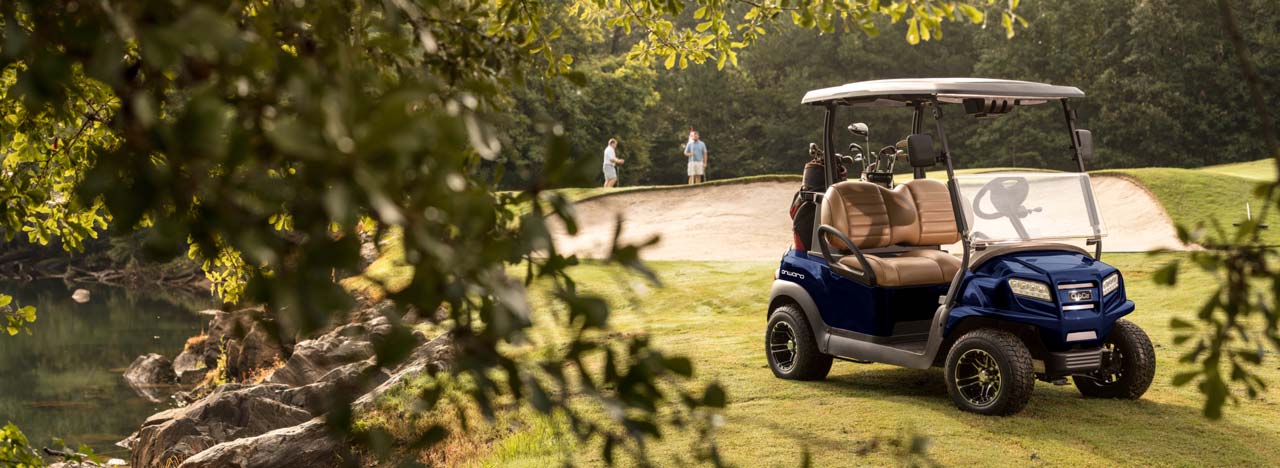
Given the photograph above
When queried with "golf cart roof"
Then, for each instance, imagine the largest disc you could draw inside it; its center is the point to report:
(900, 92)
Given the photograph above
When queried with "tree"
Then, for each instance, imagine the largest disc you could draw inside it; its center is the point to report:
(261, 132)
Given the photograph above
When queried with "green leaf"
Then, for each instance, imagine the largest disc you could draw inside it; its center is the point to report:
(28, 313)
(714, 396)
(679, 365)
(1184, 378)
(1167, 274)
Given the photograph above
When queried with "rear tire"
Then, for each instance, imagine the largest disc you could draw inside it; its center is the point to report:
(1127, 377)
(790, 347)
(989, 371)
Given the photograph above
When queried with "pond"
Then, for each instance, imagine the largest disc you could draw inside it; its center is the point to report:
(66, 380)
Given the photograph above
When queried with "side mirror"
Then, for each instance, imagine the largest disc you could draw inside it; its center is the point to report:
(859, 129)
(920, 150)
(1084, 143)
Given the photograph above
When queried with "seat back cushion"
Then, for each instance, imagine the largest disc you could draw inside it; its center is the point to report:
(858, 210)
(904, 220)
(937, 221)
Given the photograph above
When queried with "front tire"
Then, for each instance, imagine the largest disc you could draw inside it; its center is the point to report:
(790, 347)
(1128, 365)
(990, 372)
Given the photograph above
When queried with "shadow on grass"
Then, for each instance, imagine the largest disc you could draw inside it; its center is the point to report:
(1142, 432)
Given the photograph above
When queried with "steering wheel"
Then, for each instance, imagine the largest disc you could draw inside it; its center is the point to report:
(1007, 195)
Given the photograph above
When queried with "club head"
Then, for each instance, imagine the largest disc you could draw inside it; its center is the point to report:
(859, 129)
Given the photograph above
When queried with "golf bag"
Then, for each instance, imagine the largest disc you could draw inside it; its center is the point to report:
(804, 209)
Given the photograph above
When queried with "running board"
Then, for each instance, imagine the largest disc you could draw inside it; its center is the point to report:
(867, 351)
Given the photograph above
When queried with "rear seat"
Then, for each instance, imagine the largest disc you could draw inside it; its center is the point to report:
(916, 213)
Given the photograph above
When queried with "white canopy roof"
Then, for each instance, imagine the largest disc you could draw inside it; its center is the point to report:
(898, 91)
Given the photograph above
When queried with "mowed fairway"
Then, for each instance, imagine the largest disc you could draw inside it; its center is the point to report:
(714, 312)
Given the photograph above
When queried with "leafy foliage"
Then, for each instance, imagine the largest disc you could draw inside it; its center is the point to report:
(15, 451)
(15, 318)
(1239, 321)
(1243, 263)
(261, 132)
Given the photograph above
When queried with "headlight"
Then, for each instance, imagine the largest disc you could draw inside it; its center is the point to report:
(1110, 283)
(1032, 289)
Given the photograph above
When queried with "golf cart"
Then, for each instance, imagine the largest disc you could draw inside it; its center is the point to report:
(1025, 298)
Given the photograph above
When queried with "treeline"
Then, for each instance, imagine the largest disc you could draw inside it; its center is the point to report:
(1162, 82)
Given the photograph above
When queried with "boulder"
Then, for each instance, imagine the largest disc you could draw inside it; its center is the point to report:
(190, 368)
(314, 358)
(310, 444)
(255, 350)
(231, 412)
(149, 374)
(306, 445)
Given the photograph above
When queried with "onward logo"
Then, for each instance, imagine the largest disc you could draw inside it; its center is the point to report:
(791, 274)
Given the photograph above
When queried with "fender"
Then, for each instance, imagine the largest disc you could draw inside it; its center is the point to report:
(796, 293)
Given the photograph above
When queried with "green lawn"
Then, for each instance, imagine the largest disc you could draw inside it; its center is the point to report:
(1262, 169)
(715, 313)
(1203, 197)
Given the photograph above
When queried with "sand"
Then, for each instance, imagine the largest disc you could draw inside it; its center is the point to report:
(750, 221)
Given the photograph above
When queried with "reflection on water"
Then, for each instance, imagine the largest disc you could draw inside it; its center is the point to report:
(66, 378)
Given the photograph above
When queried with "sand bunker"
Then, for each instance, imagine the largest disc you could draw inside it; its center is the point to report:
(749, 221)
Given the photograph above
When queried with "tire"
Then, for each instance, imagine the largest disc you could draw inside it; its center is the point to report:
(1128, 377)
(989, 371)
(790, 347)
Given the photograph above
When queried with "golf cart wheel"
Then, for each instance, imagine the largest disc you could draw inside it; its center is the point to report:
(1128, 365)
(989, 371)
(789, 345)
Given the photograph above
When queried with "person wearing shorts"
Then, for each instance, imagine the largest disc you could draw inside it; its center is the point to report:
(610, 162)
(696, 151)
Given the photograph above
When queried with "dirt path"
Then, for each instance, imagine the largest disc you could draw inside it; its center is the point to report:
(749, 221)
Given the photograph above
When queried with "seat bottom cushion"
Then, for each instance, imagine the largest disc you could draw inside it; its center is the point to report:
(911, 268)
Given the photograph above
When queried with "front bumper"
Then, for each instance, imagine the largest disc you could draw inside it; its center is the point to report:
(1073, 362)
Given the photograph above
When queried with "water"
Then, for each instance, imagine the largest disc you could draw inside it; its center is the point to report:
(66, 380)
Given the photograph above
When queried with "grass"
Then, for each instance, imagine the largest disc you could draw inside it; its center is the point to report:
(1203, 197)
(1262, 169)
(715, 314)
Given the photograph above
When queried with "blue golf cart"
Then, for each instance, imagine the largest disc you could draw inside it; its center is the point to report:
(1022, 296)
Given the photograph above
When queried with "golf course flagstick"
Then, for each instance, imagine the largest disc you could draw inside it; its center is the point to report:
(1248, 215)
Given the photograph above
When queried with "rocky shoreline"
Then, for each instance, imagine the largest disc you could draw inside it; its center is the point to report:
(247, 399)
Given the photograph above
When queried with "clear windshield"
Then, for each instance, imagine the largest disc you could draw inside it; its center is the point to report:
(1006, 207)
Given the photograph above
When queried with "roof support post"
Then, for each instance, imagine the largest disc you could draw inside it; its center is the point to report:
(828, 146)
(1071, 130)
(961, 224)
(917, 121)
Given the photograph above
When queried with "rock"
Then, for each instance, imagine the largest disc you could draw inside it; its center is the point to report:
(314, 358)
(80, 295)
(190, 368)
(310, 444)
(149, 375)
(255, 350)
(150, 369)
(278, 422)
(231, 412)
(303, 446)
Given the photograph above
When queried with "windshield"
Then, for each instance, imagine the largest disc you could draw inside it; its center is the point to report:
(1006, 207)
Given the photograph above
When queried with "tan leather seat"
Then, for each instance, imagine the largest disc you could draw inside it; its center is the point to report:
(916, 213)
(912, 268)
